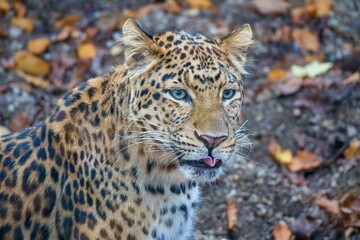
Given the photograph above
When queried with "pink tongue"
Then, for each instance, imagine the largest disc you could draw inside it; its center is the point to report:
(210, 161)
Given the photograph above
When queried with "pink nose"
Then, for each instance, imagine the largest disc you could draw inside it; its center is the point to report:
(210, 161)
(210, 141)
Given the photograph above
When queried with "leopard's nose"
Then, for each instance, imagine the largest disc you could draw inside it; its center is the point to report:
(210, 142)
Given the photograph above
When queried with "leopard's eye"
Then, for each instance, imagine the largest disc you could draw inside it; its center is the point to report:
(179, 94)
(228, 94)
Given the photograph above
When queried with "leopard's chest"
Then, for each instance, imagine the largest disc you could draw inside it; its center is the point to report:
(174, 215)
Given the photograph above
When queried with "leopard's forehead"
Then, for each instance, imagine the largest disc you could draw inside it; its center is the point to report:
(194, 54)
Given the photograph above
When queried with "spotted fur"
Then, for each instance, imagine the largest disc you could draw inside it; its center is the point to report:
(112, 159)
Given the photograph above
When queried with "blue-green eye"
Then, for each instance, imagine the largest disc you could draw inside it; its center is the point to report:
(179, 94)
(228, 94)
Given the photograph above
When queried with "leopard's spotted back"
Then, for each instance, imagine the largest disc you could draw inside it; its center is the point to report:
(117, 157)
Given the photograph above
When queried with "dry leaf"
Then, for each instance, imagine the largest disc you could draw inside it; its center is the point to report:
(4, 130)
(4, 6)
(330, 206)
(311, 70)
(3, 33)
(34, 80)
(279, 155)
(64, 34)
(306, 39)
(20, 121)
(38, 46)
(231, 217)
(200, 3)
(69, 20)
(303, 227)
(289, 87)
(31, 64)
(276, 74)
(24, 23)
(319, 8)
(353, 78)
(298, 14)
(20, 9)
(353, 151)
(350, 210)
(305, 160)
(86, 50)
(171, 6)
(281, 232)
(314, 58)
(271, 7)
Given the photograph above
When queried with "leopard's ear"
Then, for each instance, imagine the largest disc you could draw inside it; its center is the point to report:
(236, 45)
(140, 49)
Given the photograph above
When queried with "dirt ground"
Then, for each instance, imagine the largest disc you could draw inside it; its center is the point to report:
(321, 116)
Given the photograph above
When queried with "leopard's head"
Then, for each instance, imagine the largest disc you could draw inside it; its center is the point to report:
(186, 97)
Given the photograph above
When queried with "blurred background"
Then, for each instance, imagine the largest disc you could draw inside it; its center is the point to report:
(301, 179)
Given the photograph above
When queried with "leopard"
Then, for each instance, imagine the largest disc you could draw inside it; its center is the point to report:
(125, 155)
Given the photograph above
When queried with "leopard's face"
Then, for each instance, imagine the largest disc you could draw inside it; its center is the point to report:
(188, 104)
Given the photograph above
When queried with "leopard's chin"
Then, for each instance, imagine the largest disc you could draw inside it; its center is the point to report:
(199, 171)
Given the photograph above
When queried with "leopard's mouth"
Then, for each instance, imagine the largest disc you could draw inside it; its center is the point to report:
(200, 164)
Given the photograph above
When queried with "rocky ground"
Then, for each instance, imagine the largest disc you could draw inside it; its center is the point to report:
(318, 114)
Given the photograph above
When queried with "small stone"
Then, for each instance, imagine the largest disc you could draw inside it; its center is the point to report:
(14, 32)
(351, 131)
(296, 112)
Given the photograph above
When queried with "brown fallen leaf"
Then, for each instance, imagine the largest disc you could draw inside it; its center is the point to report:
(20, 9)
(353, 151)
(319, 8)
(306, 39)
(38, 46)
(276, 74)
(3, 33)
(4, 6)
(86, 50)
(281, 232)
(231, 217)
(353, 78)
(278, 154)
(171, 6)
(34, 80)
(24, 23)
(69, 20)
(299, 14)
(305, 160)
(271, 7)
(200, 3)
(4, 130)
(31, 64)
(303, 227)
(289, 87)
(20, 121)
(314, 58)
(330, 206)
(350, 210)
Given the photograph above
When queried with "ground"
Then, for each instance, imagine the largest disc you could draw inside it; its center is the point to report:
(321, 116)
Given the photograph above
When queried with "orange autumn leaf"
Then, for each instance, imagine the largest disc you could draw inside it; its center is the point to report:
(86, 50)
(330, 206)
(306, 39)
(298, 14)
(281, 232)
(4, 6)
(278, 154)
(38, 46)
(200, 3)
(305, 160)
(34, 80)
(319, 8)
(20, 9)
(231, 214)
(69, 20)
(25, 23)
(171, 6)
(276, 74)
(31, 64)
(353, 150)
